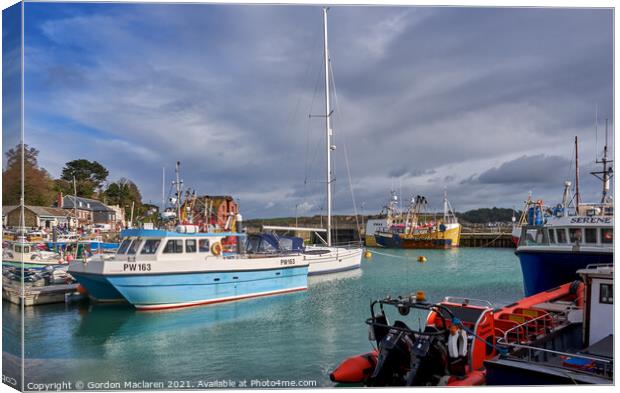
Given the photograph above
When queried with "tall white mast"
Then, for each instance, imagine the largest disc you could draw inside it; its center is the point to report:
(445, 205)
(328, 132)
(178, 183)
(163, 189)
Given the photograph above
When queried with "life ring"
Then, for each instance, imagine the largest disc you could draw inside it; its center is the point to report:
(457, 342)
(216, 248)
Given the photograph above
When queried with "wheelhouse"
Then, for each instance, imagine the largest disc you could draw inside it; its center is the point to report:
(582, 232)
(145, 243)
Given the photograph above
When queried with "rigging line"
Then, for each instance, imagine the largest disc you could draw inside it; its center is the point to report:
(310, 165)
(311, 109)
(346, 158)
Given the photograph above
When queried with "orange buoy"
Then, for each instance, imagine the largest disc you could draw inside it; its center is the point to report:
(355, 369)
(81, 290)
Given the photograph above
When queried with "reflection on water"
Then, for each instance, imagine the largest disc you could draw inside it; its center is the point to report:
(292, 336)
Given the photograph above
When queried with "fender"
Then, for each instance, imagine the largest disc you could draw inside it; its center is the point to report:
(457, 344)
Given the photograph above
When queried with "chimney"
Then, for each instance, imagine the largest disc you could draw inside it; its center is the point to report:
(59, 201)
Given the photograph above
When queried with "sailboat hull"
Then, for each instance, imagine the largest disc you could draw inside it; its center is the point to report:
(324, 260)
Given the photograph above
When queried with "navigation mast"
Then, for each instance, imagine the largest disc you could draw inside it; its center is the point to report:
(178, 182)
(607, 173)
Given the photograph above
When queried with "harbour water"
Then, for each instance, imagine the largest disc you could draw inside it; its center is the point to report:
(300, 336)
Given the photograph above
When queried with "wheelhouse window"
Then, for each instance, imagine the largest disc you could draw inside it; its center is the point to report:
(150, 246)
(203, 245)
(552, 238)
(124, 246)
(133, 248)
(174, 246)
(607, 235)
(575, 235)
(190, 245)
(561, 233)
(591, 235)
(606, 295)
(22, 249)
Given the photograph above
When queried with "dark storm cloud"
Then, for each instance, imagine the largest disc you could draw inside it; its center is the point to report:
(526, 170)
(424, 97)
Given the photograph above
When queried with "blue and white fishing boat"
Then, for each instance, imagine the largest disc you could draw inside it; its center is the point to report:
(157, 269)
(179, 267)
(571, 239)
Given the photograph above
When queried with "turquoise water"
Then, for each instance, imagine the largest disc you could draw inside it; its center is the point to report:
(289, 337)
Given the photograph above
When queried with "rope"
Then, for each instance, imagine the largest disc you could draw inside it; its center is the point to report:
(492, 241)
(391, 255)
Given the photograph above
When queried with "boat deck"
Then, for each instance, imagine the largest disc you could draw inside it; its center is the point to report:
(33, 296)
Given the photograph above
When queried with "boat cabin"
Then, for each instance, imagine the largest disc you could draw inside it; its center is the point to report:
(153, 243)
(594, 231)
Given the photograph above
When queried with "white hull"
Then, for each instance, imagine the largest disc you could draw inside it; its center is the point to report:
(336, 259)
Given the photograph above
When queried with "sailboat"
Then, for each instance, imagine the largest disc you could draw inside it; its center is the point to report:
(327, 258)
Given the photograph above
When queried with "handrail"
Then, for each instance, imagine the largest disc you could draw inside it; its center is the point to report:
(526, 325)
(605, 362)
(560, 353)
(467, 301)
(352, 244)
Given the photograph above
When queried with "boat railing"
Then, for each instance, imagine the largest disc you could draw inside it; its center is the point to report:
(524, 331)
(467, 301)
(600, 366)
(349, 245)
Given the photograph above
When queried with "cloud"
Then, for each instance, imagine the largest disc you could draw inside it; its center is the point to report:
(527, 170)
(305, 207)
(432, 96)
(404, 172)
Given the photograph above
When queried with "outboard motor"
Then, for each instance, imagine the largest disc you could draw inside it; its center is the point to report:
(428, 363)
(393, 360)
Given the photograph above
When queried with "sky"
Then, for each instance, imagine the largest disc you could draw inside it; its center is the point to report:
(483, 102)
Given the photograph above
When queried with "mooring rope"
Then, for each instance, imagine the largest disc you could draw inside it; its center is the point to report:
(391, 255)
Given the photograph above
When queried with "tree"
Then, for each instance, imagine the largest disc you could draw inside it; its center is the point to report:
(485, 215)
(89, 177)
(38, 183)
(124, 192)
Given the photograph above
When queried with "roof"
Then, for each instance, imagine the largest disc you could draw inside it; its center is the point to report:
(7, 209)
(49, 211)
(41, 211)
(95, 205)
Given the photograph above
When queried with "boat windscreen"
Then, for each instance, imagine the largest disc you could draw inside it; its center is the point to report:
(465, 314)
(124, 246)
